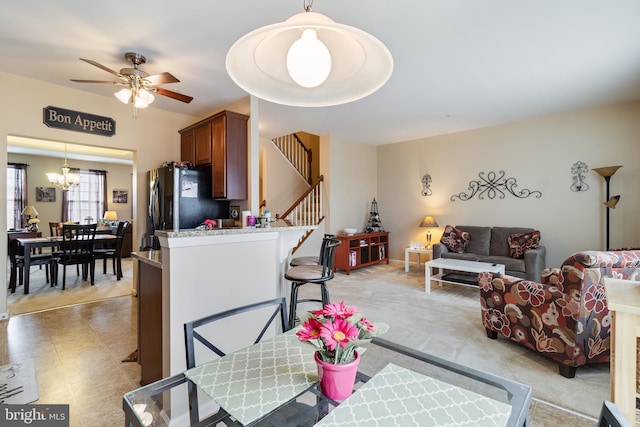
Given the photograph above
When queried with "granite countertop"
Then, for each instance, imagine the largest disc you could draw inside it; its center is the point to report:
(151, 257)
(230, 231)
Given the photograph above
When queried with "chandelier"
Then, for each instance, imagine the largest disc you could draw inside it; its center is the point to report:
(309, 61)
(66, 180)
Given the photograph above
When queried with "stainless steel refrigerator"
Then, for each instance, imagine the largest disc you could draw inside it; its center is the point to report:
(179, 198)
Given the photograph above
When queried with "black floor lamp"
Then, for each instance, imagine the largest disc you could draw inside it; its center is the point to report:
(607, 172)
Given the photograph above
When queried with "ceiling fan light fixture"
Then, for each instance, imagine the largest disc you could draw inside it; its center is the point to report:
(145, 96)
(262, 62)
(123, 95)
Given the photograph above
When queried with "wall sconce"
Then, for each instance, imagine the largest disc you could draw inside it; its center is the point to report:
(578, 170)
(426, 185)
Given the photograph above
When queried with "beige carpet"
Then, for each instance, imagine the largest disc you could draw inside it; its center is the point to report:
(44, 297)
(447, 323)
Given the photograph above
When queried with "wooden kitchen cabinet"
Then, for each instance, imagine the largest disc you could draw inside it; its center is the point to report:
(221, 140)
(202, 142)
(187, 148)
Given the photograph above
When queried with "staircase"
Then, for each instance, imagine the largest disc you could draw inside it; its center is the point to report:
(297, 153)
(307, 210)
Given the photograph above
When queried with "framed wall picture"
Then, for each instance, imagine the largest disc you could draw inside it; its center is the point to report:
(120, 196)
(45, 194)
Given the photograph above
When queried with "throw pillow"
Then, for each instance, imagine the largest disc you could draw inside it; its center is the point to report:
(455, 240)
(521, 242)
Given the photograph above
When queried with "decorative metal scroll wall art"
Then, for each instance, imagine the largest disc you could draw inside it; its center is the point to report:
(426, 185)
(494, 185)
(578, 170)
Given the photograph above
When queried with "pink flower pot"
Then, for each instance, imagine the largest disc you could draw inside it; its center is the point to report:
(336, 381)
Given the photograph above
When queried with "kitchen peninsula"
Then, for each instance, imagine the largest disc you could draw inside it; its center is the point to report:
(204, 272)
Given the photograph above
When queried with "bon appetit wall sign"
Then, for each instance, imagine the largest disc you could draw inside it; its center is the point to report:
(56, 117)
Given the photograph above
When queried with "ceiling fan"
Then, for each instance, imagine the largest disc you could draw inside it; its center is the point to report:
(138, 85)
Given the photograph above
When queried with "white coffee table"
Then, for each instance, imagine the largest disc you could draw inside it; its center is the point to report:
(456, 265)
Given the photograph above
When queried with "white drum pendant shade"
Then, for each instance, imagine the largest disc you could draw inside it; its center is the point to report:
(359, 63)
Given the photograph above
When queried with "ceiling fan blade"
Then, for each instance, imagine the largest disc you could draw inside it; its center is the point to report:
(95, 81)
(107, 69)
(161, 79)
(174, 95)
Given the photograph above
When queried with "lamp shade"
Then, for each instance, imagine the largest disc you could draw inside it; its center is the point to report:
(265, 62)
(607, 170)
(428, 221)
(110, 216)
(29, 211)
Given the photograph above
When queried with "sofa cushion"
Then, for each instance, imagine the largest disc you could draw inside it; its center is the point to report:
(455, 240)
(519, 243)
(479, 239)
(499, 239)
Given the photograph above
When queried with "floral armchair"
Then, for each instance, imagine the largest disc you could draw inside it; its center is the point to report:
(565, 317)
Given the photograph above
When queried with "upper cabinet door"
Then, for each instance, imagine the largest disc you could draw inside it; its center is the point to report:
(202, 137)
(187, 148)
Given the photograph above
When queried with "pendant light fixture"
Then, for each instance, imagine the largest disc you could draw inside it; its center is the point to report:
(309, 61)
(66, 180)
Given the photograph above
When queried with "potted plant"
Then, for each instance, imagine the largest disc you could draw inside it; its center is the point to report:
(337, 330)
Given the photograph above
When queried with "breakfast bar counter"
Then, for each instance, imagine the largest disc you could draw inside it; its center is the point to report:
(208, 271)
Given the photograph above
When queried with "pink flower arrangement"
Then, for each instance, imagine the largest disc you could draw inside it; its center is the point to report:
(337, 330)
(210, 223)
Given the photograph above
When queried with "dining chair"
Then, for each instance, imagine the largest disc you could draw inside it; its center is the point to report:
(312, 260)
(112, 252)
(16, 259)
(210, 336)
(611, 416)
(319, 274)
(76, 249)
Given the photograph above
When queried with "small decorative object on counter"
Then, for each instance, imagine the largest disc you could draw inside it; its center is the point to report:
(210, 224)
(337, 331)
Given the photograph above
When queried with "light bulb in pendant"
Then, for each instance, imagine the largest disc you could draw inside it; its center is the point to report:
(308, 60)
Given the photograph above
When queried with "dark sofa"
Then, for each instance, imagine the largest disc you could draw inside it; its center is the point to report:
(489, 244)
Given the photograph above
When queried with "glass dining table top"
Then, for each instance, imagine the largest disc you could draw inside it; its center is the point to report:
(276, 383)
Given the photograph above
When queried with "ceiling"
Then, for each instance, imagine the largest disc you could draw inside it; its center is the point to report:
(459, 64)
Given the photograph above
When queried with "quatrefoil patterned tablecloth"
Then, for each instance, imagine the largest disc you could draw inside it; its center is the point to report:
(396, 396)
(254, 381)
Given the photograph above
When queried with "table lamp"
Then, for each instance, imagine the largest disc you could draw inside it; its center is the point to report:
(429, 222)
(110, 216)
(30, 212)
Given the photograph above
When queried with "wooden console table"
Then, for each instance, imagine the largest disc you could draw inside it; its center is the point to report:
(361, 250)
(623, 301)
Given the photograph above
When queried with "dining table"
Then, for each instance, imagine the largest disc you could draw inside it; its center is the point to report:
(275, 382)
(50, 242)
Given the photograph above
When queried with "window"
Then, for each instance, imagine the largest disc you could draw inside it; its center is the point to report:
(86, 202)
(16, 193)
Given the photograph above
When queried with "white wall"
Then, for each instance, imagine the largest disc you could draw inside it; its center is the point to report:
(350, 182)
(539, 154)
(154, 133)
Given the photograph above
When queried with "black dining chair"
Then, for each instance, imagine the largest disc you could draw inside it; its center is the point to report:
(113, 252)
(76, 248)
(318, 274)
(16, 259)
(610, 416)
(209, 336)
